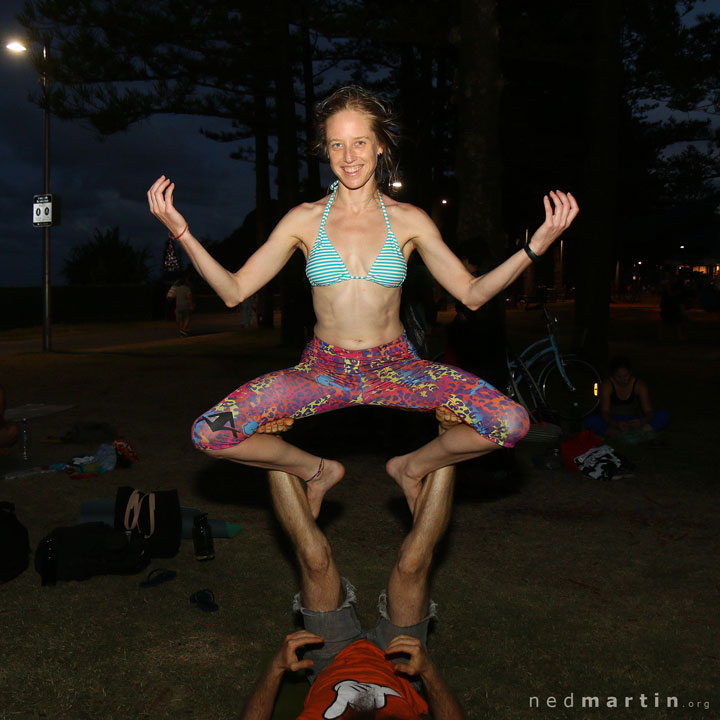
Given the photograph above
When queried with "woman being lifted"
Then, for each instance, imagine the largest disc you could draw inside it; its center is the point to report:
(357, 242)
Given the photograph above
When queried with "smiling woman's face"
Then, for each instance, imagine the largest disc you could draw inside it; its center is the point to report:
(352, 147)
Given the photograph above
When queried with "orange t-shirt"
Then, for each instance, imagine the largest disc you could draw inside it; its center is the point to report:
(362, 678)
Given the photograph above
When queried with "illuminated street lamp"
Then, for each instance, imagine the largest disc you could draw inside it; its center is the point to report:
(19, 47)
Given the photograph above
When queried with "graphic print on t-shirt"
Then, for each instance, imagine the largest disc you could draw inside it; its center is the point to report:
(359, 696)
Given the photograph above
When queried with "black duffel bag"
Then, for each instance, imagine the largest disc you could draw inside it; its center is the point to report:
(94, 548)
(14, 544)
(154, 515)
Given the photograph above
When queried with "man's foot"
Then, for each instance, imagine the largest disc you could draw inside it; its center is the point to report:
(446, 418)
(276, 426)
(396, 468)
(330, 473)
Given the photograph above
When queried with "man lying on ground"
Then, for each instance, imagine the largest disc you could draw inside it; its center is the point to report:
(354, 672)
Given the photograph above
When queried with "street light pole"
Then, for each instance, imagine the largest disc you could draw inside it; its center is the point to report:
(47, 340)
(16, 46)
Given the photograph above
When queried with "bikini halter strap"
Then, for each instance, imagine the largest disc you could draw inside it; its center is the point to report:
(333, 192)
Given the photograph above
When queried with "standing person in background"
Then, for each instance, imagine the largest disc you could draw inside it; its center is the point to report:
(9, 431)
(184, 304)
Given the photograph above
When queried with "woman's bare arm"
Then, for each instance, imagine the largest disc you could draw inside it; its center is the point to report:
(260, 268)
(475, 292)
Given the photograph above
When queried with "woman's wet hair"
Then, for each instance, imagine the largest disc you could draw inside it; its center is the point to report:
(384, 125)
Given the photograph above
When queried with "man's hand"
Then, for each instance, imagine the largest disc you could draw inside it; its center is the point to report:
(443, 703)
(262, 700)
(419, 662)
(286, 659)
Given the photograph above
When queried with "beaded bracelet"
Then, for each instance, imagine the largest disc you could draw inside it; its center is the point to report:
(177, 237)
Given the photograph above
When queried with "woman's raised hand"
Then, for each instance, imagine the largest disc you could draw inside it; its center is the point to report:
(558, 216)
(160, 199)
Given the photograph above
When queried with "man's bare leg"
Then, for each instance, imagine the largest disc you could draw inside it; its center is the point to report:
(409, 584)
(320, 580)
(266, 450)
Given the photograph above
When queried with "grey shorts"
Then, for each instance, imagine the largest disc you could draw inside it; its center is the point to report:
(341, 628)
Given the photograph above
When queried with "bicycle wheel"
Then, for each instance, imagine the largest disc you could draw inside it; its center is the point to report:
(577, 400)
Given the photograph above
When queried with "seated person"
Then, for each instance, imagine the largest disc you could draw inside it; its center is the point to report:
(9, 431)
(352, 672)
(625, 408)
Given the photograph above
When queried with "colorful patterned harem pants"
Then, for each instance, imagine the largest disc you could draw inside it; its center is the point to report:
(329, 378)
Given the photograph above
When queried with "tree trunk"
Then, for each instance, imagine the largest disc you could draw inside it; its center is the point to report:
(263, 218)
(592, 303)
(478, 163)
(287, 163)
(424, 142)
(292, 290)
(478, 171)
(312, 187)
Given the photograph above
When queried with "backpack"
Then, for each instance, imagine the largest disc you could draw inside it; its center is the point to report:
(14, 544)
(94, 548)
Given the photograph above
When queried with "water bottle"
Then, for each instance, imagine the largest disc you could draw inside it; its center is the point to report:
(48, 562)
(25, 440)
(202, 538)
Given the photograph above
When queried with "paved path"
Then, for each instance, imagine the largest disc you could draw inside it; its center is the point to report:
(640, 318)
(79, 337)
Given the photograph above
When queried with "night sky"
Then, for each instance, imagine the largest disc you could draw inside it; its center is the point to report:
(103, 182)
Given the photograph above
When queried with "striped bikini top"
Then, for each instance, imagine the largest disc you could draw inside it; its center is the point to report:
(325, 266)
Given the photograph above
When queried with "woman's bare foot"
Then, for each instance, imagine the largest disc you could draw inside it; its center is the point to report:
(396, 468)
(332, 473)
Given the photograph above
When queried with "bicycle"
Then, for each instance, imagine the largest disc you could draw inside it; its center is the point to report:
(565, 387)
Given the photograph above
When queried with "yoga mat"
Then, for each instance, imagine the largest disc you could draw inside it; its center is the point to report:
(103, 510)
(34, 410)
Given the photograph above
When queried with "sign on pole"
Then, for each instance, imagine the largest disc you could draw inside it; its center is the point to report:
(42, 210)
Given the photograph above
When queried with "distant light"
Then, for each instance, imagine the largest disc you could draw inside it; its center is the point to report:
(397, 184)
(16, 46)
(443, 201)
(682, 247)
(639, 262)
